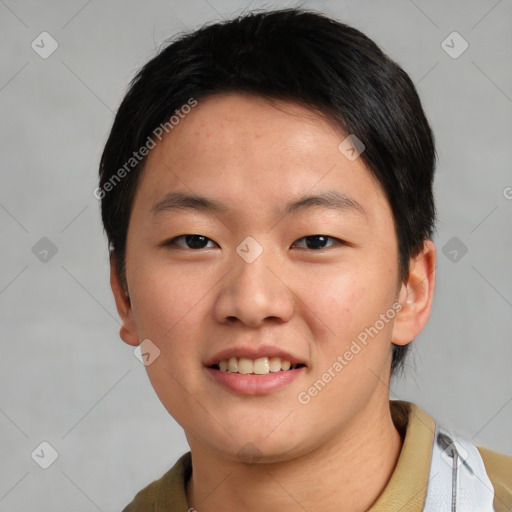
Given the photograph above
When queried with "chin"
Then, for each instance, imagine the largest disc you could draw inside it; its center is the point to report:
(253, 448)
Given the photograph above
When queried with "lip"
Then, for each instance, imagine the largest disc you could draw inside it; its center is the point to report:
(252, 352)
(250, 384)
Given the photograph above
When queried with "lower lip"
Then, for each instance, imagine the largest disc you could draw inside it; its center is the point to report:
(250, 384)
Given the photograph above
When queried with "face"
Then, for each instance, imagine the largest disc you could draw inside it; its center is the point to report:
(254, 278)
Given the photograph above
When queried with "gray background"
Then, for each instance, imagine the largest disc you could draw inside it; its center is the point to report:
(68, 379)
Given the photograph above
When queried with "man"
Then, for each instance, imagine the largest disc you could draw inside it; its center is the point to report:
(267, 193)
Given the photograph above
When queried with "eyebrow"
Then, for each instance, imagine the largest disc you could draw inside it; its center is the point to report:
(330, 199)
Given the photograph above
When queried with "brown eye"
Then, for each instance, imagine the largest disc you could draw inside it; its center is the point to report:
(319, 241)
(191, 241)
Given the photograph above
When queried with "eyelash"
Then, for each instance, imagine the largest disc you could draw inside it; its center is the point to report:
(172, 241)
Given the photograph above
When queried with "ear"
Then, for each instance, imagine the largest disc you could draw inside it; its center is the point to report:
(416, 295)
(128, 331)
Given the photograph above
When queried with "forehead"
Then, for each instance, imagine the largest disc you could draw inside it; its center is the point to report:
(253, 152)
(233, 126)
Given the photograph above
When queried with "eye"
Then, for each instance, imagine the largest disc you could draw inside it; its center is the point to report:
(318, 241)
(193, 241)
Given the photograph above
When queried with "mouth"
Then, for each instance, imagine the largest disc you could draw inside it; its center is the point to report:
(259, 366)
(254, 377)
(255, 370)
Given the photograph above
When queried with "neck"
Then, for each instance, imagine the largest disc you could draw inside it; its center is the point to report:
(347, 473)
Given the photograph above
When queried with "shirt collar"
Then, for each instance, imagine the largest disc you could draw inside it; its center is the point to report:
(406, 490)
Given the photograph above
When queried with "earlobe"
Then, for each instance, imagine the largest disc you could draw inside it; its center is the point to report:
(128, 331)
(416, 296)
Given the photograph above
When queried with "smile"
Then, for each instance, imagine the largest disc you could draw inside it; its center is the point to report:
(260, 366)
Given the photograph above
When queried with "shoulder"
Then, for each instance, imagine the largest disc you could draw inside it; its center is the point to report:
(167, 491)
(499, 470)
(144, 499)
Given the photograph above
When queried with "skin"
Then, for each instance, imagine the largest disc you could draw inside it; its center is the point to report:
(255, 155)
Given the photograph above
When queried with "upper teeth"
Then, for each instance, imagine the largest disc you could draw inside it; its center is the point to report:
(258, 366)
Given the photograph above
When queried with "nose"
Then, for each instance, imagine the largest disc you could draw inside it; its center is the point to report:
(254, 293)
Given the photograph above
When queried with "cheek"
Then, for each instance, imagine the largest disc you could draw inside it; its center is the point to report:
(339, 298)
(167, 306)
(168, 309)
(166, 296)
(344, 305)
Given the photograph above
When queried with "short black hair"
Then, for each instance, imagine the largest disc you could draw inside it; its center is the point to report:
(290, 54)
